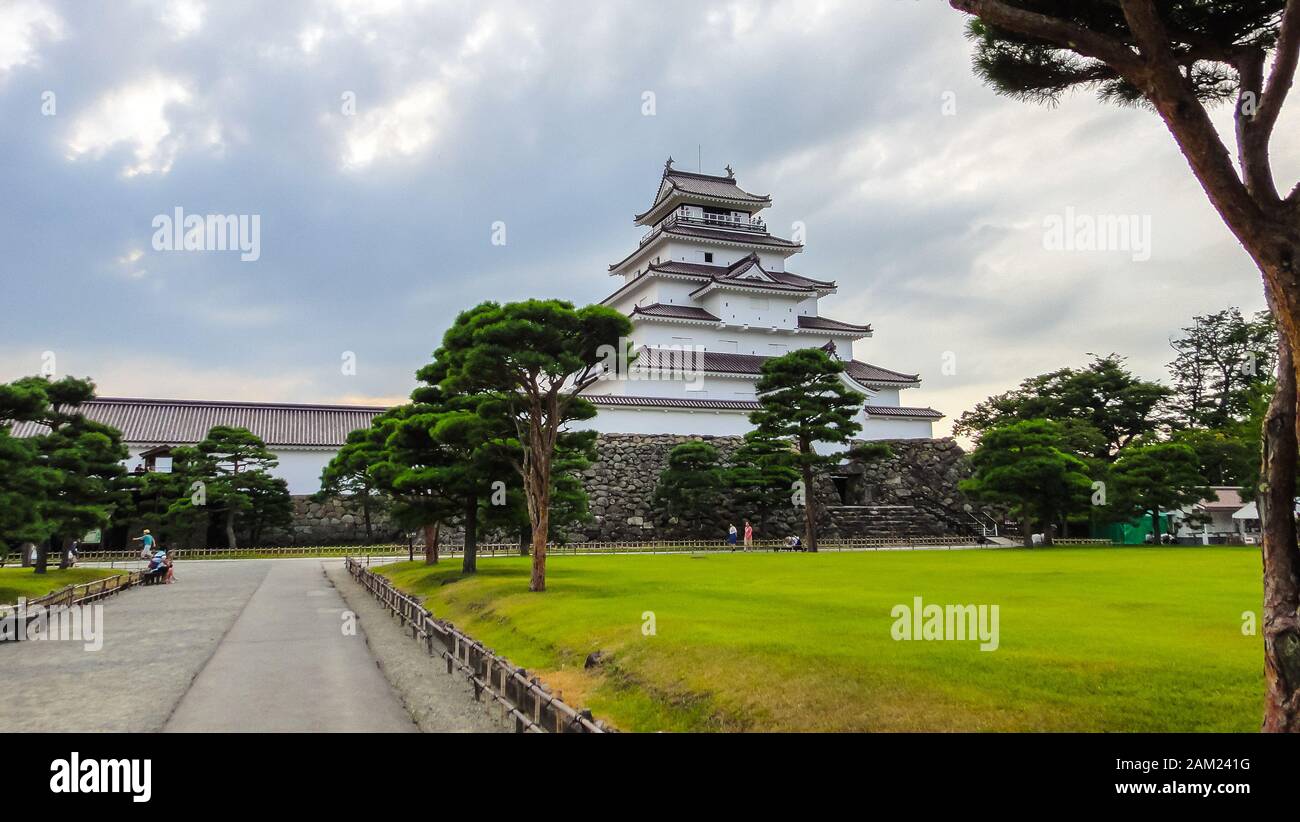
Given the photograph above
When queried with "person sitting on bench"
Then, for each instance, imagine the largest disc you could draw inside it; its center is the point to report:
(156, 570)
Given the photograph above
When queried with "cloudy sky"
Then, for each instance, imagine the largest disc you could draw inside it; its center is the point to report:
(378, 141)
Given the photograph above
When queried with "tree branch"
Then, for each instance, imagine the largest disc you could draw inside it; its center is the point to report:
(1283, 73)
(1174, 98)
(1055, 30)
(1252, 141)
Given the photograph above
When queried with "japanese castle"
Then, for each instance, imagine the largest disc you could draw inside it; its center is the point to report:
(710, 298)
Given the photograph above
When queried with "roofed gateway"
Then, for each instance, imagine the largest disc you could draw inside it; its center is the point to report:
(709, 292)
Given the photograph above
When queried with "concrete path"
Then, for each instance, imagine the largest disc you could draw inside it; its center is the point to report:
(286, 665)
(251, 645)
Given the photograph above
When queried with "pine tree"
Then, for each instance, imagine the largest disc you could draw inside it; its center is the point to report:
(804, 399)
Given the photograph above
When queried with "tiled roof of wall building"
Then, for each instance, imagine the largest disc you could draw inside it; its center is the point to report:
(827, 324)
(181, 422)
(903, 411)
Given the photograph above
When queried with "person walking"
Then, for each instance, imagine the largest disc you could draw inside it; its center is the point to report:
(731, 536)
(146, 550)
(749, 535)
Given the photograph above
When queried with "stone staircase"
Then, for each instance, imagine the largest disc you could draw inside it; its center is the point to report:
(893, 521)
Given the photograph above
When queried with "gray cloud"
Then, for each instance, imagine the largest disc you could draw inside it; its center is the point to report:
(376, 227)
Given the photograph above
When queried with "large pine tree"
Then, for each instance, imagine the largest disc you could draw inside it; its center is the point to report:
(805, 400)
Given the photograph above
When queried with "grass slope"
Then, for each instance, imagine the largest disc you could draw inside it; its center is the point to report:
(18, 582)
(1092, 639)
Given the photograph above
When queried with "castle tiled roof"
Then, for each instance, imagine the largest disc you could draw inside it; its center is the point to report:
(696, 184)
(827, 324)
(674, 312)
(723, 362)
(623, 401)
(721, 271)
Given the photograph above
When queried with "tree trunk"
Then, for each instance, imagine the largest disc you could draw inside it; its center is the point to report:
(525, 540)
(431, 543)
(365, 513)
(1155, 526)
(65, 554)
(1049, 532)
(1027, 532)
(469, 563)
(809, 510)
(230, 528)
(43, 555)
(541, 527)
(1281, 627)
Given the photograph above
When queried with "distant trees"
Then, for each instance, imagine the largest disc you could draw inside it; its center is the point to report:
(1221, 360)
(1101, 408)
(1026, 467)
(228, 475)
(805, 400)
(347, 478)
(1161, 476)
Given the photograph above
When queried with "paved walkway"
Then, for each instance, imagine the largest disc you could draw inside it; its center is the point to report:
(252, 645)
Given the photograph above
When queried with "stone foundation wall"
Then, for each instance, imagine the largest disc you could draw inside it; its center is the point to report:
(332, 523)
(922, 474)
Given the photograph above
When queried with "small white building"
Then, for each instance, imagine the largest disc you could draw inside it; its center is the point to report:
(711, 297)
(1225, 519)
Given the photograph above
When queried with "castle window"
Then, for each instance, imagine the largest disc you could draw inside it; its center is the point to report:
(708, 256)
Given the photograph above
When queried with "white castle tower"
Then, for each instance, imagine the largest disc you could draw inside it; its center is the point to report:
(710, 298)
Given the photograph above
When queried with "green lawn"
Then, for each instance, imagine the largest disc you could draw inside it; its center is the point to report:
(18, 582)
(1091, 639)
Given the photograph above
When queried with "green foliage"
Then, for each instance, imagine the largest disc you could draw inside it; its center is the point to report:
(1222, 359)
(1215, 32)
(527, 363)
(66, 480)
(232, 466)
(763, 472)
(347, 478)
(1101, 408)
(1224, 456)
(1026, 468)
(1148, 479)
(803, 398)
(691, 485)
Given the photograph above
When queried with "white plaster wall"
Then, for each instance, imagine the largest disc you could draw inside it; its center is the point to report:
(300, 469)
(877, 428)
(631, 421)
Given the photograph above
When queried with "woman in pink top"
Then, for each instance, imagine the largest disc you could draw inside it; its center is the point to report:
(749, 534)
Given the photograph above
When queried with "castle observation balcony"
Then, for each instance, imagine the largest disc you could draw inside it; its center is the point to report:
(727, 222)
